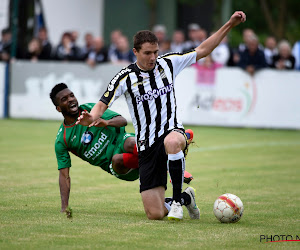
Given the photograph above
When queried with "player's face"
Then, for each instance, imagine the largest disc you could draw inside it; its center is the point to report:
(146, 56)
(67, 102)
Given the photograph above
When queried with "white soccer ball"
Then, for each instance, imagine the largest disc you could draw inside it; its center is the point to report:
(228, 208)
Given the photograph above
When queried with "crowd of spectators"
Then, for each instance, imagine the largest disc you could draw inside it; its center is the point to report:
(251, 54)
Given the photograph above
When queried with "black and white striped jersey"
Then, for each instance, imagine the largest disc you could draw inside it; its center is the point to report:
(150, 96)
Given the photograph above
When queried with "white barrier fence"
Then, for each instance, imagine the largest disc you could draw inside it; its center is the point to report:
(2, 89)
(270, 99)
(31, 84)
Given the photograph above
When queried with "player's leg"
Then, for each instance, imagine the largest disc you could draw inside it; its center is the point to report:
(188, 199)
(154, 203)
(153, 180)
(188, 195)
(125, 155)
(175, 143)
(130, 145)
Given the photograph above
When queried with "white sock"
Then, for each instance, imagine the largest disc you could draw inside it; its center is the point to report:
(168, 207)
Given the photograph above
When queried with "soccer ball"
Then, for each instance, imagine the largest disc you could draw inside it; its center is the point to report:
(228, 208)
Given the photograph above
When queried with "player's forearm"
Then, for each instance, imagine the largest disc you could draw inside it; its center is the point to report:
(64, 185)
(98, 110)
(213, 41)
(117, 121)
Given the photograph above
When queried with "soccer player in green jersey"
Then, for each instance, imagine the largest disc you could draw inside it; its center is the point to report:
(108, 146)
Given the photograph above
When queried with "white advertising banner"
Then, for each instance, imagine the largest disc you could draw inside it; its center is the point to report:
(2, 89)
(270, 99)
(31, 84)
(221, 97)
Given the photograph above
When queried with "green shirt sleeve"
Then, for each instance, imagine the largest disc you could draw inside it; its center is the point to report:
(108, 114)
(62, 154)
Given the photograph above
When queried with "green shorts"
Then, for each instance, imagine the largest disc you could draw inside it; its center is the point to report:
(132, 174)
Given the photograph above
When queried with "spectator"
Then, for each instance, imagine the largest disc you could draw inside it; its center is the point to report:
(65, 51)
(221, 53)
(98, 54)
(252, 58)
(206, 71)
(88, 46)
(46, 52)
(270, 49)
(234, 57)
(193, 37)
(296, 54)
(165, 47)
(114, 37)
(247, 34)
(284, 59)
(202, 35)
(122, 53)
(178, 41)
(5, 45)
(161, 33)
(34, 50)
(78, 50)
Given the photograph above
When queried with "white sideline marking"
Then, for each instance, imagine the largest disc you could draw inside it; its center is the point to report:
(243, 145)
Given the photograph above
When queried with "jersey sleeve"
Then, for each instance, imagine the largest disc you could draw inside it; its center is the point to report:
(181, 60)
(87, 106)
(62, 155)
(116, 87)
(109, 114)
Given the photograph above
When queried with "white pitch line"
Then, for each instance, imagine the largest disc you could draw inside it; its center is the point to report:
(242, 145)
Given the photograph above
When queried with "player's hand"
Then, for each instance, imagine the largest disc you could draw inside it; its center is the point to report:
(85, 119)
(237, 18)
(99, 123)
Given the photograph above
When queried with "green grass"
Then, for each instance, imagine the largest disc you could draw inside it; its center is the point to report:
(262, 167)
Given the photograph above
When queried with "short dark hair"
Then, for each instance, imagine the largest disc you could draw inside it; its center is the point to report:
(143, 36)
(5, 31)
(57, 88)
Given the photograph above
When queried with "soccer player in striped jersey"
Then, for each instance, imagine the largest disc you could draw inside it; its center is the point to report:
(148, 86)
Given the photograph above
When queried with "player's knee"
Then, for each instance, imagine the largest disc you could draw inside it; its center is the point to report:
(129, 144)
(117, 160)
(155, 215)
(173, 144)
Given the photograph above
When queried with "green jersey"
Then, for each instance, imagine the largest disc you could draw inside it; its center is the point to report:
(95, 145)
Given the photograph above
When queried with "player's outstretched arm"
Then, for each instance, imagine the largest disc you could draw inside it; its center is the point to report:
(92, 118)
(117, 121)
(65, 186)
(214, 40)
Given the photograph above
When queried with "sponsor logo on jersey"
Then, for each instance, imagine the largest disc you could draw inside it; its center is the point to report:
(96, 146)
(113, 81)
(106, 94)
(87, 138)
(155, 93)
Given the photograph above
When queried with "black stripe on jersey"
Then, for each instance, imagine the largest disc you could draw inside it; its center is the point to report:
(166, 83)
(134, 104)
(158, 105)
(172, 70)
(146, 109)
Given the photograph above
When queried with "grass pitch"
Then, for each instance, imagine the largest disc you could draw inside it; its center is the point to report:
(262, 167)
